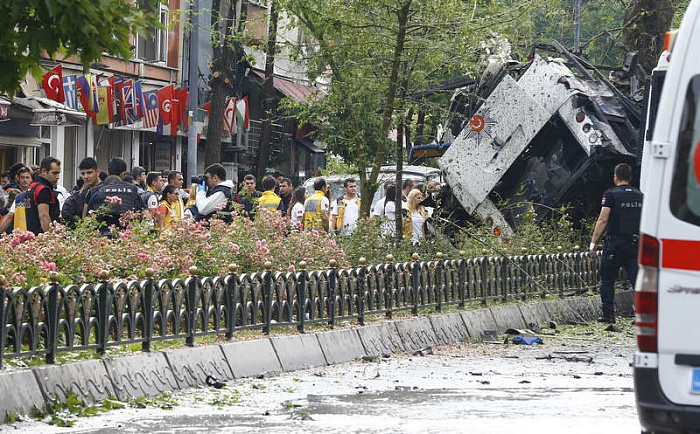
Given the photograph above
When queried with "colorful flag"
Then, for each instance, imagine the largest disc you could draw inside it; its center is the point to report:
(140, 103)
(103, 116)
(230, 116)
(52, 82)
(242, 113)
(152, 112)
(184, 108)
(70, 92)
(175, 111)
(165, 97)
(84, 93)
(128, 102)
(95, 100)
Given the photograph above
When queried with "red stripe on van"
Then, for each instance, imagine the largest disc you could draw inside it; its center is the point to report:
(680, 254)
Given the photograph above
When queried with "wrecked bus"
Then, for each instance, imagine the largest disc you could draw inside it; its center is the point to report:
(547, 132)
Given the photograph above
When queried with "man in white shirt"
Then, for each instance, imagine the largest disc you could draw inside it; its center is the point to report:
(346, 210)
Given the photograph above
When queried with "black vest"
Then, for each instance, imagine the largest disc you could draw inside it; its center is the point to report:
(30, 205)
(626, 211)
(109, 211)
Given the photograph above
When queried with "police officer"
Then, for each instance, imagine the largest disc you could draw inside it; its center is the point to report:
(620, 214)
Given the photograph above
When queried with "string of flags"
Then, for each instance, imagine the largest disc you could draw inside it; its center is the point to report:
(122, 102)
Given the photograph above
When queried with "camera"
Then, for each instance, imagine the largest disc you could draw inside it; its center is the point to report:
(197, 179)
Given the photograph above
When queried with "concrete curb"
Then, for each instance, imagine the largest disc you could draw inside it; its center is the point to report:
(149, 374)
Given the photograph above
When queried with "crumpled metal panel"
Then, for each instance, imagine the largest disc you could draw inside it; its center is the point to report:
(494, 138)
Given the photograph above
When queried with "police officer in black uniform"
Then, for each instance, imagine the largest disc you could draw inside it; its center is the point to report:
(620, 215)
(113, 197)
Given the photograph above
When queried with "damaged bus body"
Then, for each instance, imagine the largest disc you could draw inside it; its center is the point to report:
(538, 133)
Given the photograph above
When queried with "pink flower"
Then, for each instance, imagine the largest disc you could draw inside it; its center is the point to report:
(292, 268)
(49, 266)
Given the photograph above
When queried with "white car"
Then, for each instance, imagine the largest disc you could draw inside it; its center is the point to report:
(416, 173)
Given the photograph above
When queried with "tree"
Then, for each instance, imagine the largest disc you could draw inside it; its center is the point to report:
(84, 28)
(646, 23)
(268, 90)
(227, 67)
(376, 53)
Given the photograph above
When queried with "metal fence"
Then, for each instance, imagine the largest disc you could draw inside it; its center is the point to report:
(46, 320)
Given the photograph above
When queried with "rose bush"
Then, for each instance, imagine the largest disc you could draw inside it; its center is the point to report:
(80, 254)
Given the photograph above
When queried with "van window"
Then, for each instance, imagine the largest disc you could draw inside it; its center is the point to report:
(685, 191)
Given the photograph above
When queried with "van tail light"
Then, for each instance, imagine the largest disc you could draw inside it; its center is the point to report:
(646, 295)
(670, 40)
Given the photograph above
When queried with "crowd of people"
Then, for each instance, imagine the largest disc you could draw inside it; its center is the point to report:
(32, 199)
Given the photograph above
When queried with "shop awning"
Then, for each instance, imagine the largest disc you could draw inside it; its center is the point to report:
(292, 90)
(47, 112)
(315, 146)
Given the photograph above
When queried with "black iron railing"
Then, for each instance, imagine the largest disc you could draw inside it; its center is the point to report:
(46, 320)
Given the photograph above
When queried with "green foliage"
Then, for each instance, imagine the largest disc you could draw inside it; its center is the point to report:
(11, 417)
(552, 235)
(337, 166)
(377, 54)
(65, 413)
(225, 398)
(85, 28)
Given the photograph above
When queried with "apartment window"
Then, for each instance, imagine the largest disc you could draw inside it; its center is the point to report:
(153, 47)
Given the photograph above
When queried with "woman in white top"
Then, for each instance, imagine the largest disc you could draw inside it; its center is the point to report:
(417, 213)
(296, 209)
(388, 212)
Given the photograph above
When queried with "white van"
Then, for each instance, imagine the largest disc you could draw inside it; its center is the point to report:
(667, 292)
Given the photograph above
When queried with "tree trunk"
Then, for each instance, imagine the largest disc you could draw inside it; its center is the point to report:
(227, 70)
(645, 24)
(220, 81)
(389, 107)
(398, 199)
(268, 92)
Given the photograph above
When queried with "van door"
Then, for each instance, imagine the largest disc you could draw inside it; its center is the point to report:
(672, 215)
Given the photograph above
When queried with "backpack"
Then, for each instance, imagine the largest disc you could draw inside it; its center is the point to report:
(72, 209)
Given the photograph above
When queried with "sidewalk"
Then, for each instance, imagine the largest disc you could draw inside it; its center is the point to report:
(149, 374)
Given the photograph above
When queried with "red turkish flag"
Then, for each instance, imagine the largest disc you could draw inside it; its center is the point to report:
(52, 82)
(165, 97)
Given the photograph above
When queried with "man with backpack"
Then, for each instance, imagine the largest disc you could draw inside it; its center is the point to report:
(41, 204)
